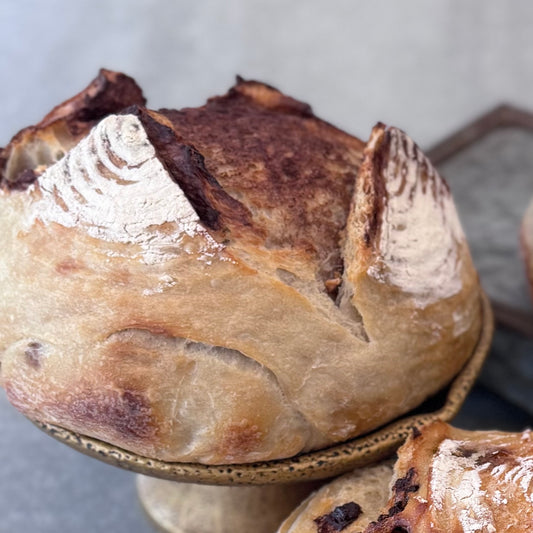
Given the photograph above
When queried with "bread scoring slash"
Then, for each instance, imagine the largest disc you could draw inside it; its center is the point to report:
(232, 283)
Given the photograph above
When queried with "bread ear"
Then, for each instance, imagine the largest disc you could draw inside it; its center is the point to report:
(403, 231)
(37, 147)
(125, 195)
(404, 245)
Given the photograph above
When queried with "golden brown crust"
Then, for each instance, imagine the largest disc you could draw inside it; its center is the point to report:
(168, 291)
(293, 172)
(452, 480)
(348, 503)
(403, 240)
(445, 480)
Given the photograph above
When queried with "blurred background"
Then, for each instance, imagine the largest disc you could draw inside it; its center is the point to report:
(427, 67)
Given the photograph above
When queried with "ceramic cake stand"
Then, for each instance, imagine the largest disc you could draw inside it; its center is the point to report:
(255, 498)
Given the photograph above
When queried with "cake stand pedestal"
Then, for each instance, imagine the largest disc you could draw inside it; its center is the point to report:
(191, 508)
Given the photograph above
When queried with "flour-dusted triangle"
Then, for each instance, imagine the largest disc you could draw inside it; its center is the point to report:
(125, 194)
(226, 284)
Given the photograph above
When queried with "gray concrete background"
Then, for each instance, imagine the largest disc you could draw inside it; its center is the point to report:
(425, 66)
(428, 67)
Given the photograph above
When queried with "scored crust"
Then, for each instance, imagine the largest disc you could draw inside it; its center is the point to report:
(215, 284)
(444, 480)
(37, 147)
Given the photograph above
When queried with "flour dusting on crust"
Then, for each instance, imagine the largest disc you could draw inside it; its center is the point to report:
(114, 187)
(477, 481)
(420, 229)
(456, 484)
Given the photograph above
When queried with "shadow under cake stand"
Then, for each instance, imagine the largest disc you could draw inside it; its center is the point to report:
(197, 498)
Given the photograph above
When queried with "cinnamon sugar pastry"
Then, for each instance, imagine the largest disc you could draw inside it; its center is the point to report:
(445, 480)
(226, 284)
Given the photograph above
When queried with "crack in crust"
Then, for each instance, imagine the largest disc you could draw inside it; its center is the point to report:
(292, 174)
(402, 489)
(187, 167)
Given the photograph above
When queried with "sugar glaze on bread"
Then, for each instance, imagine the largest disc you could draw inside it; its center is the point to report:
(225, 284)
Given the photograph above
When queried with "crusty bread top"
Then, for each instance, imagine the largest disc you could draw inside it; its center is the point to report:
(254, 164)
(293, 173)
(35, 148)
(451, 480)
(148, 281)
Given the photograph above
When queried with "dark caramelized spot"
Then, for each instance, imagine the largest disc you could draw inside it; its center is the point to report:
(392, 520)
(340, 518)
(24, 179)
(398, 507)
(187, 167)
(240, 439)
(108, 93)
(292, 174)
(33, 354)
(127, 412)
(463, 451)
(496, 457)
(405, 485)
(386, 524)
(416, 432)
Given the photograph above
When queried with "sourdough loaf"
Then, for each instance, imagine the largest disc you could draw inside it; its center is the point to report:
(226, 284)
(444, 480)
